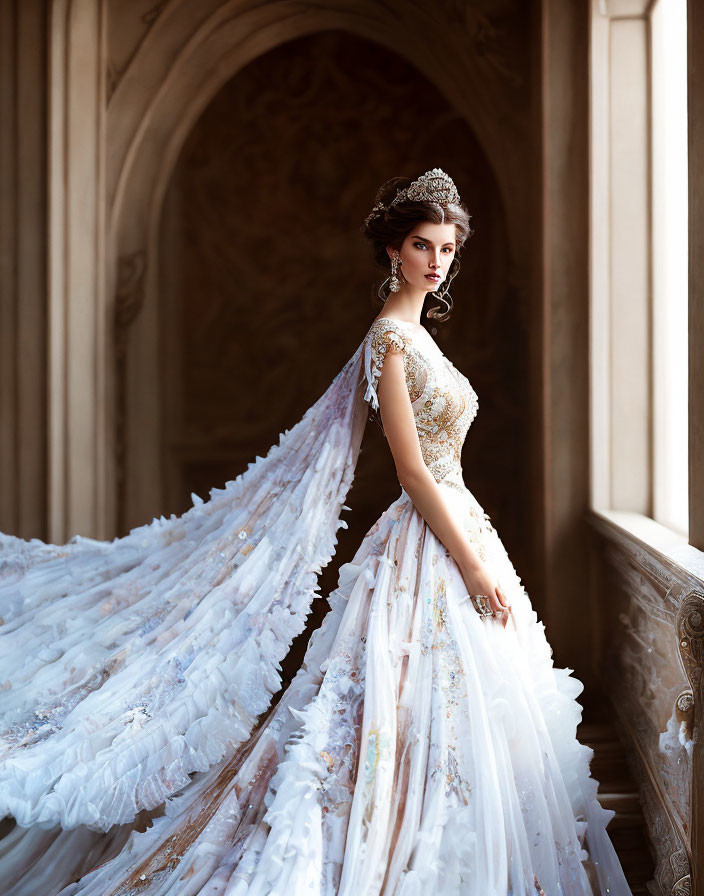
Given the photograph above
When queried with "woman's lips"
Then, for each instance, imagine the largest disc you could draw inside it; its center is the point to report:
(433, 276)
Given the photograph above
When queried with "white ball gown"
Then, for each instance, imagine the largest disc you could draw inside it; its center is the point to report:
(419, 748)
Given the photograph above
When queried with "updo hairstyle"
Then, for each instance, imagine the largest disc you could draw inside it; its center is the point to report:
(390, 226)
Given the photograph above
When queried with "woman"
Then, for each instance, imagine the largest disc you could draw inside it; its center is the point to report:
(426, 742)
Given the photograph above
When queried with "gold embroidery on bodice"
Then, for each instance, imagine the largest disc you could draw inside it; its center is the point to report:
(443, 401)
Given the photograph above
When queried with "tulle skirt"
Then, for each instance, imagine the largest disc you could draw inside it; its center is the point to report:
(420, 748)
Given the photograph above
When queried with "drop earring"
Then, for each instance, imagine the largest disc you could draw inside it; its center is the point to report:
(394, 284)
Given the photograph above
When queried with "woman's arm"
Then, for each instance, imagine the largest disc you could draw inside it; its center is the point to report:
(418, 482)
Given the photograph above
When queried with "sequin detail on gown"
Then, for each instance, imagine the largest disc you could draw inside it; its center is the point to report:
(443, 401)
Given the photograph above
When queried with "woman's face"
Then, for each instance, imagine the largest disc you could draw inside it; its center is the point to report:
(427, 250)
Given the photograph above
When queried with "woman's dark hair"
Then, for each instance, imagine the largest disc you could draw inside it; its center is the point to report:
(391, 225)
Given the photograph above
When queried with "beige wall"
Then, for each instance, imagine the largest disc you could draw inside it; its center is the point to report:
(563, 267)
(23, 273)
(695, 57)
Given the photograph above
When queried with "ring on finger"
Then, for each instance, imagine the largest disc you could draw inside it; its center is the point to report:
(482, 604)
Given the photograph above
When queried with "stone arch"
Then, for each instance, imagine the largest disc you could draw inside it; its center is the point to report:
(184, 59)
(151, 125)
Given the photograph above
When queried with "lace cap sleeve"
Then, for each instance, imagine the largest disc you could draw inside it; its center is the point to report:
(384, 336)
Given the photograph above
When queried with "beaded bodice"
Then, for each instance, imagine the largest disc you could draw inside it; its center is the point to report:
(443, 401)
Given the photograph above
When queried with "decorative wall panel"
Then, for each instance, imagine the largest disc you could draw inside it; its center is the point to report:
(651, 665)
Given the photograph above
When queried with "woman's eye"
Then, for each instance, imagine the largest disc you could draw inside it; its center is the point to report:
(424, 246)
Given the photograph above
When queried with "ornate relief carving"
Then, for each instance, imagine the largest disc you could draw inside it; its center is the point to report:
(670, 855)
(654, 653)
(679, 863)
(684, 710)
(683, 887)
(690, 635)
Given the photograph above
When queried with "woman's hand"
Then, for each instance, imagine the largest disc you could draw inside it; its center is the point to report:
(479, 580)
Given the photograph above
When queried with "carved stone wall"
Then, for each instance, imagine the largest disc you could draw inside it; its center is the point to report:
(269, 283)
(651, 660)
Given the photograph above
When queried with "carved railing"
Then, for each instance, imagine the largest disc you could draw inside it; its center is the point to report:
(651, 628)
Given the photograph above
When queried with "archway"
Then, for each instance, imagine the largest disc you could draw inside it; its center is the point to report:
(154, 124)
(264, 278)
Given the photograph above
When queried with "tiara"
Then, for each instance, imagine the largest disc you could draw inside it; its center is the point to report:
(433, 186)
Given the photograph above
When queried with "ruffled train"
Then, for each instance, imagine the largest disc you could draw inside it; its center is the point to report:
(419, 747)
(126, 666)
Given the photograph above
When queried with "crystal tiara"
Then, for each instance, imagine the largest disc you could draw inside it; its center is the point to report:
(433, 186)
